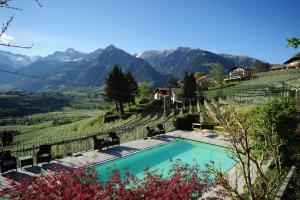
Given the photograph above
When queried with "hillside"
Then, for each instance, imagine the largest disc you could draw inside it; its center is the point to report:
(71, 69)
(182, 59)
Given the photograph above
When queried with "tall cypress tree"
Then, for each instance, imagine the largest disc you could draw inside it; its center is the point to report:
(189, 86)
(219, 74)
(133, 88)
(116, 88)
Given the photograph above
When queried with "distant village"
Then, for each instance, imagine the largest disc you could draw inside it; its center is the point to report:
(235, 74)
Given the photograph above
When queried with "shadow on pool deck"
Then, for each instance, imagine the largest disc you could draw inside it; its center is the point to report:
(166, 138)
(49, 166)
(117, 150)
(212, 136)
(16, 176)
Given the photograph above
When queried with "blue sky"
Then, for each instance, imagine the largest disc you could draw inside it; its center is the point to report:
(256, 28)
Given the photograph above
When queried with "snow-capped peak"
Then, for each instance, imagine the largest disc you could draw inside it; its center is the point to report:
(138, 54)
(78, 59)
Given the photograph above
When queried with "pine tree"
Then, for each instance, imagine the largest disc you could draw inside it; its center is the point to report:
(116, 88)
(133, 88)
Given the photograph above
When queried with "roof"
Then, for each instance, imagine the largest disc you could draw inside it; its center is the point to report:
(176, 90)
(161, 88)
(296, 57)
(201, 78)
(238, 66)
(204, 77)
(277, 66)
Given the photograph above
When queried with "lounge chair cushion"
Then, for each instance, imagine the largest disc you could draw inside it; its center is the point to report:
(8, 162)
(44, 155)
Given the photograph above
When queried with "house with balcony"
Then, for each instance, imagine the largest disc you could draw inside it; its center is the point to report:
(204, 82)
(172, 93)
(294, 62)
(238, 73)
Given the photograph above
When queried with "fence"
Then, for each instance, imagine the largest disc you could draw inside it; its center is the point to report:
(67, 145)
(250, 95)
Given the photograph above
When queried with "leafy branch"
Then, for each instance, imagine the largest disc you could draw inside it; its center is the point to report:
(293, 42)
(6, 25)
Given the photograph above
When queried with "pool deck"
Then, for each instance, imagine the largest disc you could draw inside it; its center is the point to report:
(95, 157)
(85, 159)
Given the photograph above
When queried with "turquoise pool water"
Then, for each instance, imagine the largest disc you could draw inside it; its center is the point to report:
(159, 158)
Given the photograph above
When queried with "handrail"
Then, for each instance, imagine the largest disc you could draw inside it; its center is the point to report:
(29, 146)
(285, 184)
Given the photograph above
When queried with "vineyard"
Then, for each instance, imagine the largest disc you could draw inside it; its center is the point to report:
(77, 136)
(260, 88)
(71, 129)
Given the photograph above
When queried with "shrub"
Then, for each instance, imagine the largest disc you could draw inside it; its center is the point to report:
(183, 182)
(144, 101)
(7, 137)
(186, 122)
(114, 117)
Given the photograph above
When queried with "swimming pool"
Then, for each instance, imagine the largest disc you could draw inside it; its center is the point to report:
(158, 158)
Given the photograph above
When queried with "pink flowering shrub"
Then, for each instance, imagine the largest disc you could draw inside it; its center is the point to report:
(183, 182)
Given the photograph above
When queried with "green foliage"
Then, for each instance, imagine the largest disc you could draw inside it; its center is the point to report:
(199, 74)
(218, 71)
(17, 104)
(133, 87)
(116, 88)
(27, 104)
(293, 42)
(145, 91)
(114, 117)
(172, 82)
(268, 190)
(185, 122)
(189, 86)
(61, 120)
(278, 117)
(7, 136)
(259, 88)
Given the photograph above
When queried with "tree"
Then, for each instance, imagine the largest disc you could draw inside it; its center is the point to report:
(183, 182)
(4, 41)
(199, 74)
(116, 88)
(172, 82)
(242, 149)
(145, 91)
(189, 86)
(274, 130)
(264, 132)
(7, 137)
(293, 42)
(218, 72)
(133, 87)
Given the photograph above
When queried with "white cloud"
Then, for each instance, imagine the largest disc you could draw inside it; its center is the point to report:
(6, 39)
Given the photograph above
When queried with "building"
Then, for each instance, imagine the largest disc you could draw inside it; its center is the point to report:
(277, 67)
(238, 73)
(204, 82)
(172, 93)
(175, 92)
(294, 62)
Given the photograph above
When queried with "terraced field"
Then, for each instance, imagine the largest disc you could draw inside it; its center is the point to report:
(260, 88)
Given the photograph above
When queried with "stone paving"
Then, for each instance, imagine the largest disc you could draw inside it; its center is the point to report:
(94, 157)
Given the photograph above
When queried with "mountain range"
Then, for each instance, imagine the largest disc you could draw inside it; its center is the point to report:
(71, 68)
